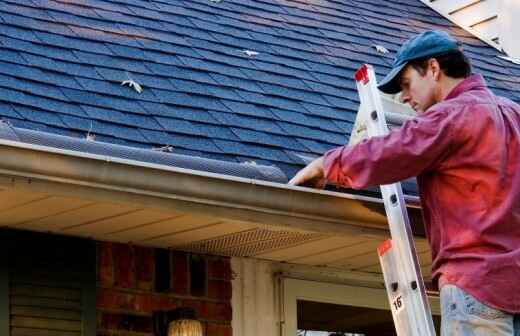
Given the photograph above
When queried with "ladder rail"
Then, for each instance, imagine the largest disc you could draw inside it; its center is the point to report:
(406, 290)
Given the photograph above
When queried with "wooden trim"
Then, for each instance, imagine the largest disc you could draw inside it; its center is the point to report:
(88, 290)
(4, 283)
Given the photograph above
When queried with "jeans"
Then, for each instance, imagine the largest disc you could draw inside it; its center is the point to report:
(463, 315)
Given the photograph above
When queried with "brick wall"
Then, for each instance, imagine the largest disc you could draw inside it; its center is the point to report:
(126, 296)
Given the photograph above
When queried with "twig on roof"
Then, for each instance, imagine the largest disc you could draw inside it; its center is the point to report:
(166, 149)
(90, 136)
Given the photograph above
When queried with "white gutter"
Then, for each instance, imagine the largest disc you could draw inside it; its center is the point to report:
(71, 173)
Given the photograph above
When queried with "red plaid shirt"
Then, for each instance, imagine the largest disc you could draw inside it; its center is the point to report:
(465, 152)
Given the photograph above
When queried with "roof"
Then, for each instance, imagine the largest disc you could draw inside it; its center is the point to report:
(263, 81)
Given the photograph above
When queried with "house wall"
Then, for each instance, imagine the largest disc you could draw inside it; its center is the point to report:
(255, 298)
(126, 294)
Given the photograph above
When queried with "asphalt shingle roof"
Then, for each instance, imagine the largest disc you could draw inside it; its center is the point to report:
(62, 63)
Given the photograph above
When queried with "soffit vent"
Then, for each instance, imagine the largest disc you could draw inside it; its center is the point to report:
(250, 243)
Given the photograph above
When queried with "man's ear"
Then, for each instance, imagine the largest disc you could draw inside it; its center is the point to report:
(435, 68)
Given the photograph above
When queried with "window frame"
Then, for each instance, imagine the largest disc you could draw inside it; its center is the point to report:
(342, 294)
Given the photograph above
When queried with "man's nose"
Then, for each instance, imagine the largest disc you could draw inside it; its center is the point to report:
(405, 97)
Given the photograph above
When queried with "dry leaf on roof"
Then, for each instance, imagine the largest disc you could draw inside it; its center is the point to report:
(133, 84)
(380, 49)
(250, 53)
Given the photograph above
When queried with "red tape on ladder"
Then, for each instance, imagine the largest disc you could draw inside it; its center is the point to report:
(362, 74)
(384, 247)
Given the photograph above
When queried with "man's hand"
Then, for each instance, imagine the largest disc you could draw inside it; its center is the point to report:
(311, 176)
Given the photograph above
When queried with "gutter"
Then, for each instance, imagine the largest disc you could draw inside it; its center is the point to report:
(77, 174)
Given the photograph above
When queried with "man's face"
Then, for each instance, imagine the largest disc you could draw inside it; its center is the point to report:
(418, 89)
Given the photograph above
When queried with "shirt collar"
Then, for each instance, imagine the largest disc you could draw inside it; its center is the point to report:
(472, 82)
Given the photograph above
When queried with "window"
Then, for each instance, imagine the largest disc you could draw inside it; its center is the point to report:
(47, 284)
(327, 308)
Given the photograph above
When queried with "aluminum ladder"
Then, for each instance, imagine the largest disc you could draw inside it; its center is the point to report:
(403, 280)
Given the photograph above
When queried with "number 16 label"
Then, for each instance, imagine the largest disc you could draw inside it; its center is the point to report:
(398, 304)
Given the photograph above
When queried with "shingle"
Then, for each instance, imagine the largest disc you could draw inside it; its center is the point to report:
(112, 62)
(259, 124)
(315, 146)
(330, 112)
(248, 109)
(283, 103)
(344, 126)
(18, 33)
(6, 110)
(180, 112)
(247, 85)
(58, 79)
(12, 57)
(233, 60)
(194, 75)
(224, 93)
(76, 69)
(255, 151)
(290, 116)
(33, 87)
(305, 132)
(38, 49)
(184, 99)
(25, 11)
(9, 95)
(221, 27)
(266, 138)
(21, 71)
(126, 51)
(53, 105)
(281, 91)
(39, 116)
(28, 125)
(208, 65)
(216, 131)
(190, 87)
(178, 126)
(118, 117)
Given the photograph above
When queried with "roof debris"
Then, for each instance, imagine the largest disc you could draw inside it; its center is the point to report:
(380, 49)
(249, 163)
(90, 136)
(166, 149)
(133, 84)
(250, 53)
(510, 59)
(216, 1)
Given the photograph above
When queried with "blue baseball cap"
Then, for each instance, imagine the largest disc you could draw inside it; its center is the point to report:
(427, 44)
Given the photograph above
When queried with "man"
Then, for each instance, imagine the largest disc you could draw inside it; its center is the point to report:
(464, 148)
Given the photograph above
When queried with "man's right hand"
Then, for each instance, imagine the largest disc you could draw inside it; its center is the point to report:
(312, 175)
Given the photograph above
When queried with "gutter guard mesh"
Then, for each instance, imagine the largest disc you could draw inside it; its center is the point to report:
(256, 172)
